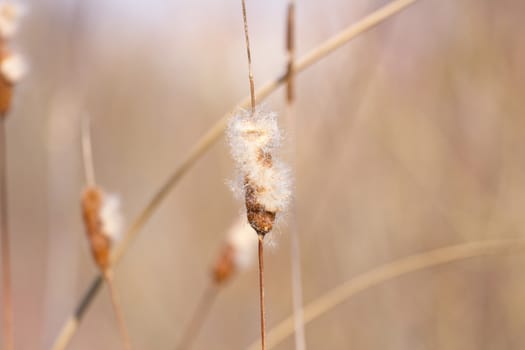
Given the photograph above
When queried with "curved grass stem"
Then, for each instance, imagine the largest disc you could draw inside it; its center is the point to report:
(389, 271)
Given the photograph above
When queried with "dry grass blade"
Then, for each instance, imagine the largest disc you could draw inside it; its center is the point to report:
(387, 272)
(209, 138)
(351, 32)
(7, 293)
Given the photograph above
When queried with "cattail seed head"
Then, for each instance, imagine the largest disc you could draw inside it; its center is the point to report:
(13, 68)
(102, 221)
(6, 86)
(224, 266)
(254, 139)
(111, 217)
(10, 13)
(238, 252)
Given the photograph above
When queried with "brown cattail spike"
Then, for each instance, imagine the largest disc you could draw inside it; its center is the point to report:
(100, 243)
(224, 267)
(259, 218)
(6, 86)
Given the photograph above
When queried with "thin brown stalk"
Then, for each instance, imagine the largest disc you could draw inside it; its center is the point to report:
(389, 271)
(204, 144)
(290, 49)
(261, 236)
(7, 292)
(117, 307)
(261, 292)
(89, 171)
(199, 316)
(249, 54)
(297, 289)
(295, 250)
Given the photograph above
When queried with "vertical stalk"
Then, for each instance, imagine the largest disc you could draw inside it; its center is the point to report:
(295, 250)
(248, 52)
(87, 151)
(117, 307)
(7, 292)
(261, 292)
(261, 236)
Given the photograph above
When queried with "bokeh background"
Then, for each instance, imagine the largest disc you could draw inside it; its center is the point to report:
(409, 138)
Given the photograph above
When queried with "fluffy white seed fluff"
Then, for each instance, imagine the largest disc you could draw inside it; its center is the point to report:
(250, 137)
(242, 239)
(13, 68)
(111, 217)
(10, 13)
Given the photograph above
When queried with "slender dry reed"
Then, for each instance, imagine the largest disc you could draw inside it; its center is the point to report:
(261, 292)
(290, 51)
(260, 235)
(381, 274)
(12, 70)
(249, 54)
(206, 141)
(295, 250)
(99, 235)
(87, 152)
(236, 255)
(117, 307)
(7, 294)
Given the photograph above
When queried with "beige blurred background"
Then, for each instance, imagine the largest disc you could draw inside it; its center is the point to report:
(409, 138)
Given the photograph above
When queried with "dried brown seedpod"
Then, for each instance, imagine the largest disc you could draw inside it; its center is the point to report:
(92, 201)
(238, 252)
(260, 219)
(6, 86)
(254, 139)
(224, 266)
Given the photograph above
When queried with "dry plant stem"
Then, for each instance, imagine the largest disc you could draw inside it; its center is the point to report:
(387, 272)
(261, 236)
(261, 292)
(249, 54)
(199, 316)
(209, 138)
(290, 48)
(117, 307)
(87, 152)
(7, 292)
(297, 290)
(352, 31)
(295, 252)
